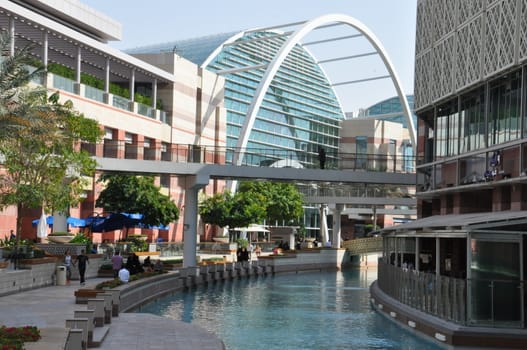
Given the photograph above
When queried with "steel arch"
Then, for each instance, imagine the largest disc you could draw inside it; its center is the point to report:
(286, 48)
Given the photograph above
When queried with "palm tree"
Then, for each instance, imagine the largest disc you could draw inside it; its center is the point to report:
(37, 140)
(21, 105)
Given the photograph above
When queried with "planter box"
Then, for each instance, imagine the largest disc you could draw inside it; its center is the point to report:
(82, 295)
(105, 273)
(60, 239)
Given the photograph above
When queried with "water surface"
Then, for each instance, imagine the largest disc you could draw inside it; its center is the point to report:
(305, 311)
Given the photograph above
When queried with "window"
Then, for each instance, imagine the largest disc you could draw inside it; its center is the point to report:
(361, 152)
(504, 109)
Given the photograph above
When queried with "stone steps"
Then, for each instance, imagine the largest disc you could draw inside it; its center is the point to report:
(99, 333)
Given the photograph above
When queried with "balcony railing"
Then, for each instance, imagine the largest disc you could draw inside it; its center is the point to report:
(253, 156)
(66, 84)
(493, 303)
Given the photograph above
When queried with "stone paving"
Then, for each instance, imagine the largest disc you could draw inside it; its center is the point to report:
(50, 306)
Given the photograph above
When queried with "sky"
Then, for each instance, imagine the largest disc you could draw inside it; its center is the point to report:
(392, 22)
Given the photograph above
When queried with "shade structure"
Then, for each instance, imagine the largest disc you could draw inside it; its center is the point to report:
(71, 221)
(252, 228)
(42, 226)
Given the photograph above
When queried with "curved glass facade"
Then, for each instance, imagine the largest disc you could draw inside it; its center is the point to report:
(300, 111)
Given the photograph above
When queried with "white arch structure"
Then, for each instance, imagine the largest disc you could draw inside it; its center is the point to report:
(286, 48)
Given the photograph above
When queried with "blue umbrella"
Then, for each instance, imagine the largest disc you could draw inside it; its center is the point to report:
(115, 222)
(73, 222)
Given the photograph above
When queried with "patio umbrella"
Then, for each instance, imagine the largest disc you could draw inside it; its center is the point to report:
(42, 226)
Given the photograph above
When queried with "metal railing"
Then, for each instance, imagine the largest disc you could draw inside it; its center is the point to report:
(440, 296)
(474, 302)
(185, 153)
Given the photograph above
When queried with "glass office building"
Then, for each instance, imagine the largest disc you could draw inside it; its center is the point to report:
(300, 111)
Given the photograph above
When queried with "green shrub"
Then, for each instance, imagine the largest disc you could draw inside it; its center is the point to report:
(97, 83)
(117, 282)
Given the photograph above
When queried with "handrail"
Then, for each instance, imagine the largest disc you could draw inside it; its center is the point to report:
(187, 153)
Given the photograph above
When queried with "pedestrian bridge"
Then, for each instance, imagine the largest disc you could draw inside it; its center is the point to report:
(383, 173)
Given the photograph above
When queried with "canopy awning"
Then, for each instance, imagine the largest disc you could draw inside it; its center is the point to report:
(252, 228)
(71, 221)
(468, 222)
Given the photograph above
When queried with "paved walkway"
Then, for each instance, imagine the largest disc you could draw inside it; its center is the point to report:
(51, 306)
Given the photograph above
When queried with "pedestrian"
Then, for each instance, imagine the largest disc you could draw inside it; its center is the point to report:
(117, 263)
(82, 261)
(322, 157)
(12, 235)
(67, 264)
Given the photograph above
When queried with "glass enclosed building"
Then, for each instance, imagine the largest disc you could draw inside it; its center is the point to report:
(300, 111)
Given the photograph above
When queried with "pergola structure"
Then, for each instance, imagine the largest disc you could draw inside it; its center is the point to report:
(53, 41)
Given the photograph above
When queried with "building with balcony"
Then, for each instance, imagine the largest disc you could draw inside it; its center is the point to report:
(147, 111)
(258, 94)
(457, 273)
(377, 136)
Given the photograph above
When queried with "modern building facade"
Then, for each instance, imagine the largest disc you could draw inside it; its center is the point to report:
(300, 112)
(378, 136)
(458, 272)
(259, 94)
(147, 111)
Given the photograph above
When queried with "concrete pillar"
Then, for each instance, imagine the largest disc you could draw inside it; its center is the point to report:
(11, 36)
(336, 237)
(190, 217)
(60, 222)
(154, 93)
(132, 84)
(107, 76)
(45, 42)
(79, 64)
(324, 224)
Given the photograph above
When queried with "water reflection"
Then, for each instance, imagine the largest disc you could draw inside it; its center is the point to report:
(293, 311)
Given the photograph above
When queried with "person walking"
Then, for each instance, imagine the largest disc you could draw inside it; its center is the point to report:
(82, 261)
(67, 264)
(117, 263)
(322, 157)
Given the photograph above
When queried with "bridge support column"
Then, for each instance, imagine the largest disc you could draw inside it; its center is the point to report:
(336, 237)
(190, 215)
(324, 236)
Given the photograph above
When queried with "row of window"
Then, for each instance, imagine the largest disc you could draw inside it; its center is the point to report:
(487, 116)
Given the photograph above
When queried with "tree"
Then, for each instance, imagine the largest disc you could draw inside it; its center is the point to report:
(21, 105)
(229, 210)
(137, 194)
(42, 164)
(283, 202)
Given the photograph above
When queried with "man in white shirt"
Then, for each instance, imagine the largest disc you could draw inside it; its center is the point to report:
(124, 275)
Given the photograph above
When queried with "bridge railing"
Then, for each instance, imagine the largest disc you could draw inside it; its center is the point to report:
(360, 246)
(185, 153)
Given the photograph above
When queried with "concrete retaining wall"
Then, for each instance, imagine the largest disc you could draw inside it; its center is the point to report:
(38, 273)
